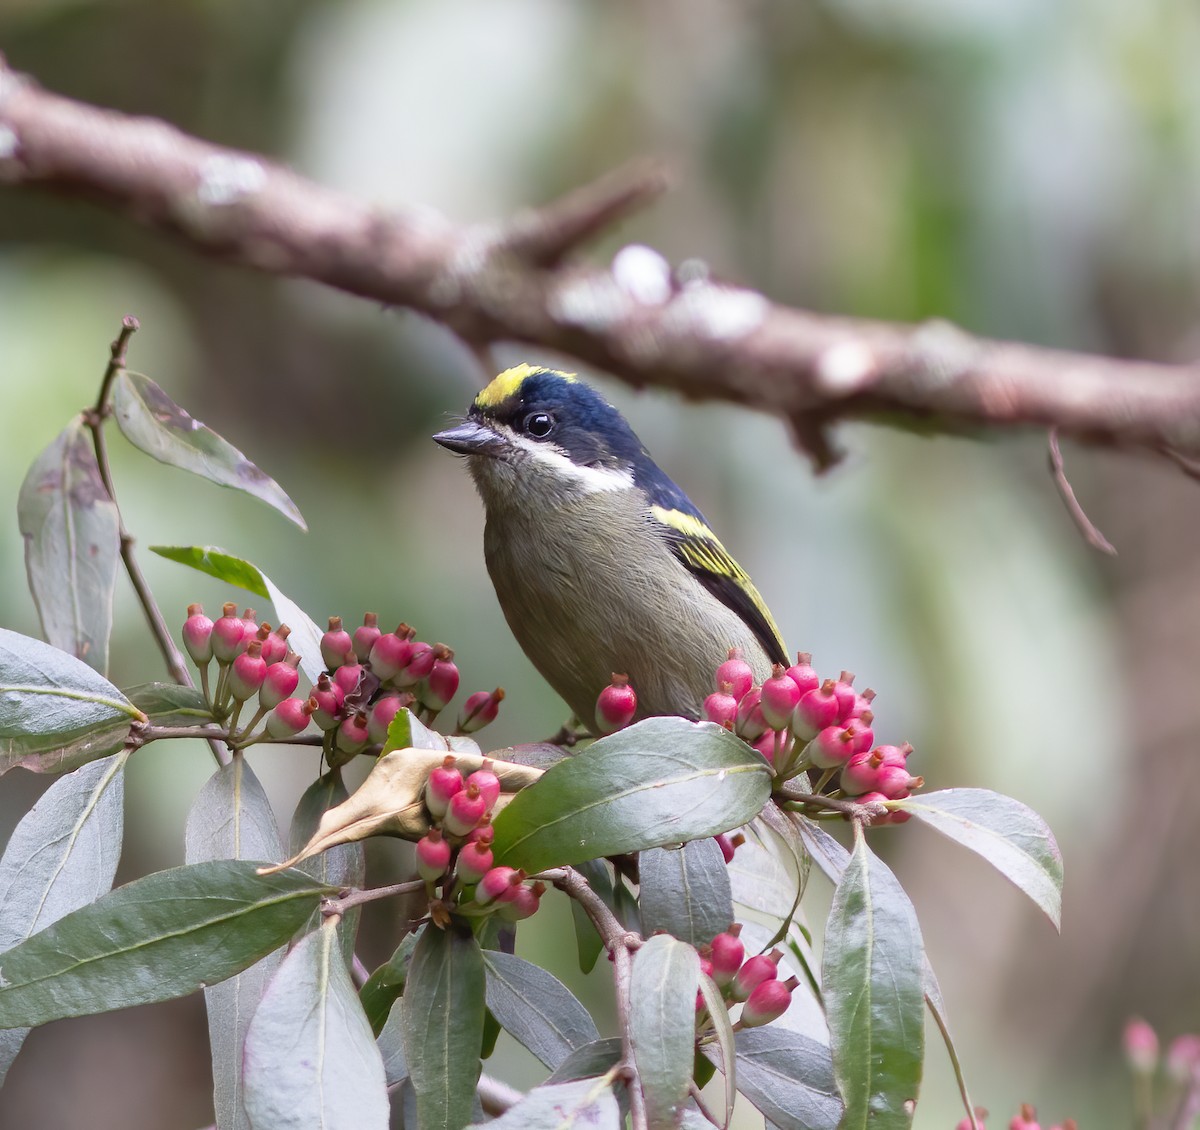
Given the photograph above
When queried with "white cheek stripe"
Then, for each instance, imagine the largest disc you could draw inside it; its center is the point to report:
(590, 479)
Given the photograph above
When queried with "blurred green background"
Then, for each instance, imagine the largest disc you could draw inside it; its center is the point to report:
(1027, 168)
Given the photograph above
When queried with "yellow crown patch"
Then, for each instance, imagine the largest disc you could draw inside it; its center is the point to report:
(508, 384)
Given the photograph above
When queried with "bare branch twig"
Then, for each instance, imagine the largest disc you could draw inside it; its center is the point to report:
(1091, 533)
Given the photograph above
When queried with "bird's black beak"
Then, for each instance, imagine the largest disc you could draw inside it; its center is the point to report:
(471, 438)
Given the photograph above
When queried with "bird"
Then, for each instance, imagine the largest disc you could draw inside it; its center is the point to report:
(601, 564)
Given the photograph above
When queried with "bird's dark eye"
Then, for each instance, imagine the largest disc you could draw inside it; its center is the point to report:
(539, 424)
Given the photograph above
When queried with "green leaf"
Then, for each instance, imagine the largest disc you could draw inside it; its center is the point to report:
(873, 979)
(344, 865)
(662, 1024)
(661, 781)
(311, 1061)
(155, 424)
(61, 856)
(787, 1077)
(723, 1032)
(685, 891)
(826, 852)
(231, 818)
(384, 986)
(588, 1104)
(154, 939)
(305, 639)
(937, 1009)
(443, 1006)
(72, 535)
(1008, 834)
(407, 731)
(536, 1008)
(56, 713)
(169, 704)
(588, 942)
(596, 1058)
(390, 1042)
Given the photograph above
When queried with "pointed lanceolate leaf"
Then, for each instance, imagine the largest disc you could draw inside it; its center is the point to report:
(1008, 834)
(72, 535)
(662, 1018)
(231, 818)
(305, 639)
(661, 781)
(169, 704)
(443, 1014)
(536, 1008)
(154, 939)
(595, 1058)
(588, 942)
(390, 1042)
(384, 986)
(827, 853)
(344, 865)
(685, 891)
(788, 1077)
(153, 422)
(56, 713)
(586, 1104)
(873, 981)
(61, 856)
(311, 1061)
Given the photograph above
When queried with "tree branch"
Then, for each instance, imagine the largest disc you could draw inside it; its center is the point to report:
(487, 283)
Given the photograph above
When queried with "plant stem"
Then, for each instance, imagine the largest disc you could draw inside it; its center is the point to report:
(356, 897)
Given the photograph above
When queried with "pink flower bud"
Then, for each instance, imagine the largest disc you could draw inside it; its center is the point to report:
(197, 635)
(280, 681)
(721, 707)
(832, 747)
(1140, 1043)
(480, 709)
(1026, 1119)
(227, 634)
(861, 773)
(706, 966)
(353, 736)
(767, 1001)
(465, 809)
(862, 703)
(383, 710)
(249, 627)
(778, 698)
(889, 817)
(391, 652)
(750, 725)
(365, 637)
(330, 700)
(474, 859)
(337, 647)
(289, 718)
(488, 784)
(729, 845)
(753, 973)
(616, 705)
(522, 902)
(894, 754)
(728, 953)
(815, 710)
(965, 1123)
(433, 855)
(247, 673)
(1183, 1058)
(347, 677)
(444, 781)
(441, 684)
(895, 783)
(846, 695)
(765, 744)
(736, 672)
(862, 736)
(495, 884)
(802, 673)
(275, 646)
(420, 662)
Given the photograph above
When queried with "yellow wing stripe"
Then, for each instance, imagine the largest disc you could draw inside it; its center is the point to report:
(508, 384)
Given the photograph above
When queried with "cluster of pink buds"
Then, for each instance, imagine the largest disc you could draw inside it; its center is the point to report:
(1160, 1104)
(370, 676)
(456, 853)
(753, 982)
(1024, 1119)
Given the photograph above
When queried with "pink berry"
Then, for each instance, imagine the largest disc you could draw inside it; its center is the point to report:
(488, 784)
(729, 845)
(365, 637)
(894, 754)
(736, 672)
(522, 902)
(197, 635)
(846, 695)
(767, 1001)
(1183, 1058)
(444, 781)
(433, 855)
(474, 860)
(965, 1123)
(862, 703)
(778, 698)
(754, 972)
(1140, 1044)
(347, 677)
(280, 681)
(815, 710)
(383, 710)
(227, 634)
(441, 684)
(861, 735)
(275, 646)
(861, 773)
(249, 627)
(495, 884)
(895, 783)
(465, 810)
(616, 705)
(832, 747)
(353, 736)
(1026, 1119)
(750, 725)
(289, 718)
(420, 662)
(721, 707)
(480, 709)
(337, 647)
(330, 701)
(765, 744)
(247, 673)
(728, 953)
(391, 652)
(802, 674)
